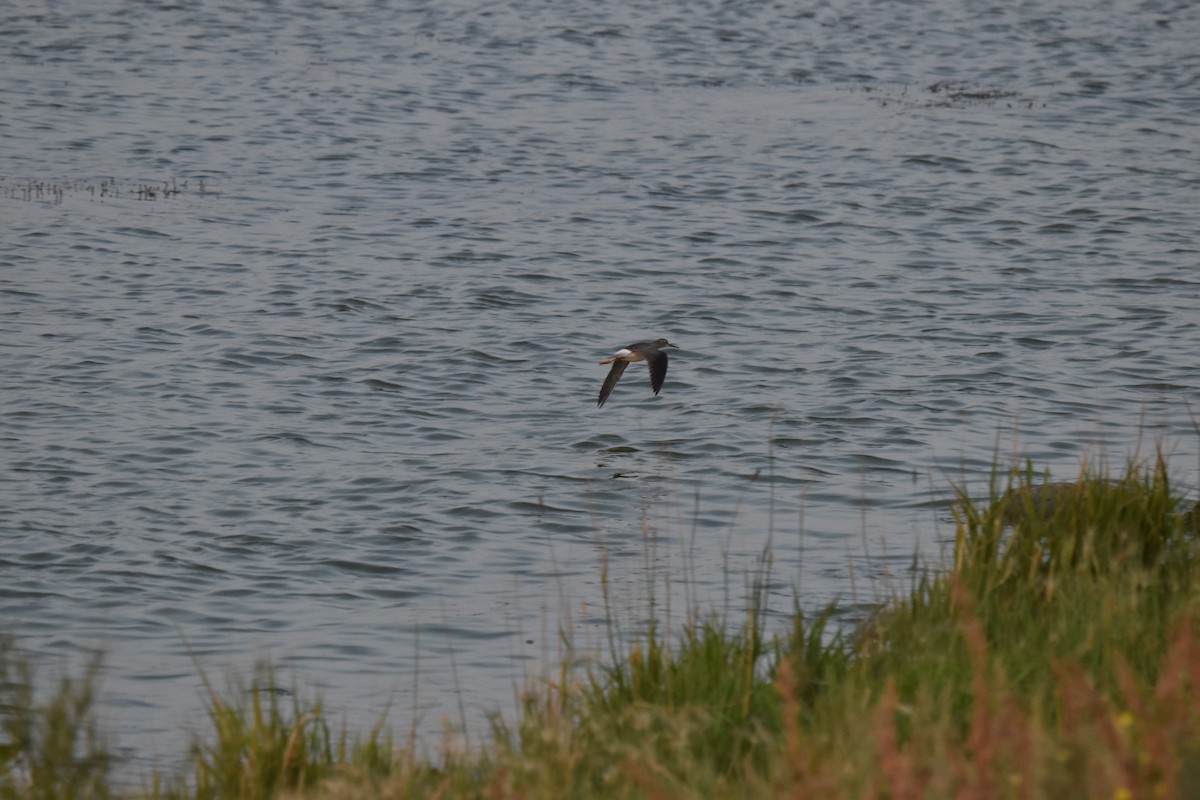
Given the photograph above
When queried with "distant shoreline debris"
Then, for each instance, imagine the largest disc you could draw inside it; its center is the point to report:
(51, 192)
(946, 94)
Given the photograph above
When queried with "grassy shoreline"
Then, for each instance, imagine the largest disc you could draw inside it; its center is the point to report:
(1056, 655)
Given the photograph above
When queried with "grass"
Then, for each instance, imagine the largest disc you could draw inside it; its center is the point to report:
(1056, 655)
(49, 748)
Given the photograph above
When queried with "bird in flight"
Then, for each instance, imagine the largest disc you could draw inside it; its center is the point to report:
(650, 352)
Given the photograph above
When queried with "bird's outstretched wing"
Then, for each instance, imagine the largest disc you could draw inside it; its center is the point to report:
(657, 362)
(614, 375)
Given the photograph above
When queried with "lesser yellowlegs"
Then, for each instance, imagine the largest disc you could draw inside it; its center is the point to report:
(650, 352)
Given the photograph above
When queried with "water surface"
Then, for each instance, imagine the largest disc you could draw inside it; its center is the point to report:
(302, 308)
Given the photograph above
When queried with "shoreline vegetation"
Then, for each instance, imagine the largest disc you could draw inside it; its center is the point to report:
(1055, 655)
